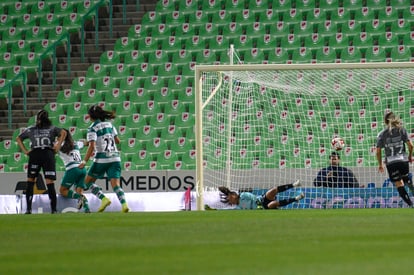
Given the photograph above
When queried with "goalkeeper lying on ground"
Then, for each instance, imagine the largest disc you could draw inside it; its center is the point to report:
(247, 200)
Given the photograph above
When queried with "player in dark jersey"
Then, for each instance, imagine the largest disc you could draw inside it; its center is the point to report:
(45, 142)
(393, 140)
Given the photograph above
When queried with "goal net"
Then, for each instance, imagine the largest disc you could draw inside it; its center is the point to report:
(260, 126)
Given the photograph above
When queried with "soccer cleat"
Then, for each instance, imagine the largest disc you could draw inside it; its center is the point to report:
(125, 208)
(80, 203)
(104, 204)
(300, 196)
(28, 212)
(296, 183)
(87, 210)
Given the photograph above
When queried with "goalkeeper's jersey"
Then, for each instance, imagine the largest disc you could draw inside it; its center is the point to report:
(248, 201)
(104, 133)
(73, 159)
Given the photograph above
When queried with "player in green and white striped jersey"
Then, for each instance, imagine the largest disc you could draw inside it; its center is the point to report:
(103, 138)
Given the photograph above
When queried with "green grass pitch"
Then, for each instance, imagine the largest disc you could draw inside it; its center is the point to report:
(339, 241)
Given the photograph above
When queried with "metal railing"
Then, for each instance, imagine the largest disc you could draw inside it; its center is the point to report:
(9, 88)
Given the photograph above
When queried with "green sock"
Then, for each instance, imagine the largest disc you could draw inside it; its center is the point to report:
(96, 190)
(73, 195)
(120, 193)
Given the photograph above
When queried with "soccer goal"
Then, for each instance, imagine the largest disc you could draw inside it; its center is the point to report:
(259, 126)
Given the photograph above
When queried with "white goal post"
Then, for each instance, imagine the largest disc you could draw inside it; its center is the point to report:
(263, 125)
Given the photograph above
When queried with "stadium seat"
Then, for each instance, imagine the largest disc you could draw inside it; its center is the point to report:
(83, 7)
(159, 121)
(131, 146)
(119, 71)
(189, 6)
(150, 108)
(401, 53)
(292, 16)
(115, 96)
(339, 42)
(25, 22)
(364, 15)
(17, 10)
(362, 42)
(34, 35)
(186, 30)
(124, 45)
(57, 33)
(11, 35)
(408, 14)
(184, 120)
(278, 56)
(166, 6)
(290, 42)
(129, 84)
(314, 42)
(174, 108)
(400, 27)
(72, 23)
(143, 160)
(109, 58)
(91, 96)
(375, 54)
(151, 18)
(182, 57)
(327, 29)
(161, 30)
(388, 14)
(244, 17)
(268, 17)
(66, 96)
(182, 145)
(305, 5)
(7, 59)
(388, 41)
(171, 44)
(158, 57)
(375, 28)
(316, 16)
(135, 57)
(195, 44)
(139, 30)
(78, 110)
(135, 121)
(206, 57)
(168, 160)
(197, 18)
(326, 54)
(254, 56)
(147, 44)
(218, 43)
(209, 30)
(351, 55)
(175, 18)
(255, 30)
(6, 22)
(351, 28)
(30, 62)
(329, 5)
(145, 134)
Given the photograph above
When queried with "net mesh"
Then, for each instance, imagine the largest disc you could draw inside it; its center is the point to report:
(266, 127)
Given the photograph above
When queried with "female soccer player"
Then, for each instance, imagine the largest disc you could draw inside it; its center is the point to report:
(74, 176)
(45, 142)
(247, 200)
(393, 140)
(102, 138)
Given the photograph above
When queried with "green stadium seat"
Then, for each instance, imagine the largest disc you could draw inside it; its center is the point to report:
(266, 43)
(195, 44)
(197, 18)
(292, 16)
(39, 8)
(150, 108)
(206, 57)
(268, 17)
(11, 35)
(34, 35)
(168, 160)
(11, 72)
(124, 132)
(30, 62)
(388, 41)
(158, 57)
(254, 56)
(17, 162)
(376, 5)
(115, 96)
(351, 55)
(67, 96)
(146, 133)
(64, 121)
(351, 29)
(327, 29)
(279, 29)
(135, 121)
(408, 40)
(290, 42)
(408, 14)
(159, 121)
(255, 30)
(400, 27)
(63, 8)
(189, 5)
(278, 56)
(212, 6)
(170, 133)
(54, 109)
(184, 120)
(139, 30)
(186, 30)
(375, 54)
(302, 55)
(143, 160)
(168, 70)
(182, 57)
(364, 15)
(97, 71)
(175, 18)
(17, 10)
(161, 30)
(401, 53)
(25, 22)
(49, 21)
(329, 5)
(124, 108)
(375, 28)
(340, 16)
(209, 30)
(325, 54)
(83, 121)
(129, 84)
(72, 23)
(6, 22)
(303, 29)
(362, 42)
(81, 84)
(314, 42)
(174, 108)
(388, 14)
(91, 96)
(339, 42)
(109, 58)
(106, 83)
(244, 17)
(151, 18)
(147, 44)
(124, 45)
(8, 60)
(316, 16)
(57, 33)
(119, 71)
(134, 57)
(131, 146)
(218, 43)
(83, 7)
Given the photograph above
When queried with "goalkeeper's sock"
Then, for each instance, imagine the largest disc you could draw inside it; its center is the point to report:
(287, 201)
(404, 195)
(284, 187)
(120, 194)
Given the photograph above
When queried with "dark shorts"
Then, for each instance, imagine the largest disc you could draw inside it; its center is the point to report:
(42, 159)
(265, 201)
(398, 170)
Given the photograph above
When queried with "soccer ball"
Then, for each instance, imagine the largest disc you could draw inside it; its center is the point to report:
(337, 144)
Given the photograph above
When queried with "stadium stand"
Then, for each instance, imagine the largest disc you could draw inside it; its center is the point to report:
(157, 54)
